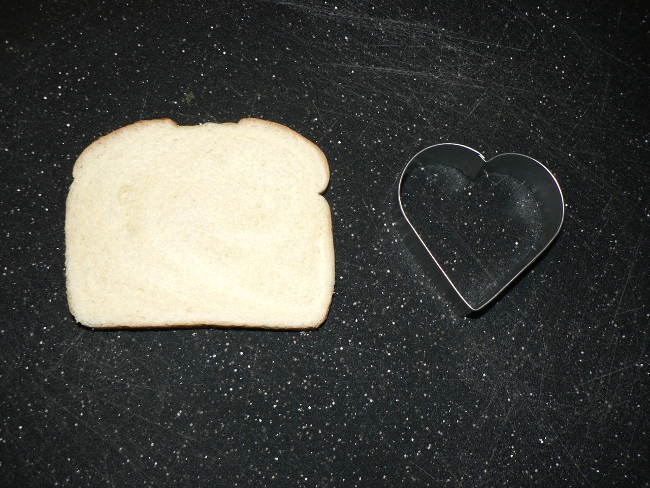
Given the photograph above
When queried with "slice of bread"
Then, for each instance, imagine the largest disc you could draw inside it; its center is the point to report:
(215, 224)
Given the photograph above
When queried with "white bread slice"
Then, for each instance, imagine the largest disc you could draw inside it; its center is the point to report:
(214, 224)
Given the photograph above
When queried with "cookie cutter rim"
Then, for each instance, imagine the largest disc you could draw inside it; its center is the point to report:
(550, 182)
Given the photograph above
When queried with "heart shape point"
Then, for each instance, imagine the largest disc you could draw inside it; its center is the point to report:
(469, 164)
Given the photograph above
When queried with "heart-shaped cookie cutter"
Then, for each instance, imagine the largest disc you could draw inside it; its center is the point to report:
(537, 177)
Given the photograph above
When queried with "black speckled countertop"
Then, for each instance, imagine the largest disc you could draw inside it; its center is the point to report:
(548, 387)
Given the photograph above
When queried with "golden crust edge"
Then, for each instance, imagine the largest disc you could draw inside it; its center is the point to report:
(276, 125)
(106, 138)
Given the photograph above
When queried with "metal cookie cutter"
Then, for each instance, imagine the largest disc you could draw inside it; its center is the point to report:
(533, 174)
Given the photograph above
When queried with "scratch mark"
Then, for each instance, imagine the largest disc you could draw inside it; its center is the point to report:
(592, 46)
(627, 279)
(71, 343)
(630, 310)
(397, 71)
(603, 98)
(144, 101)
(566, 451)
(596, 378)
(352, 265)
(476, 41)
(479, 100)
(425, 472)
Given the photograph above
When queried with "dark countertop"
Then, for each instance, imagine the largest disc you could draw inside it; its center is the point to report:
(548, 387)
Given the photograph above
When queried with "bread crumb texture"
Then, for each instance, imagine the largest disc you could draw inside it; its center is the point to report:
(214, 224)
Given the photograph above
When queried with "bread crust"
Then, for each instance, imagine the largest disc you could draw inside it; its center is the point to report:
(107, 138)
(275, 125)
